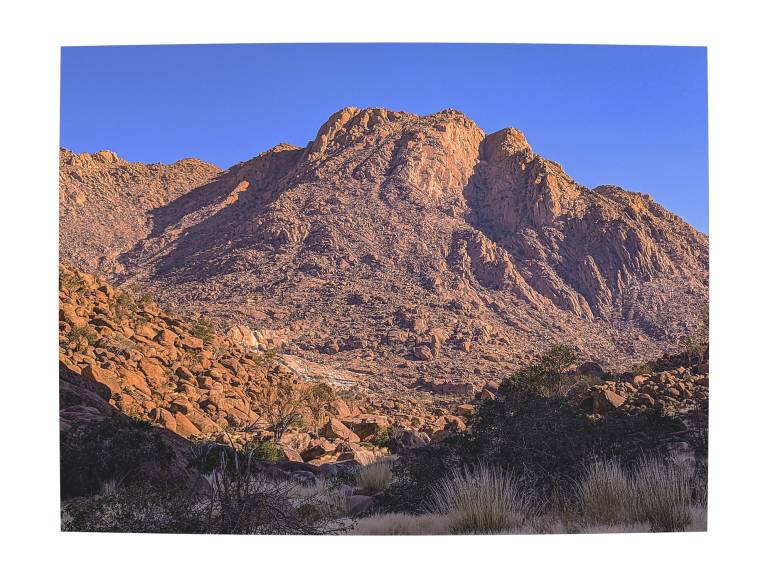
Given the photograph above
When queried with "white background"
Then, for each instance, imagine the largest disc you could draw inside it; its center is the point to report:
(32, 35)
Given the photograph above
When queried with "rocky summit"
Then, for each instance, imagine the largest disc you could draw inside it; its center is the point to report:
(413, 252)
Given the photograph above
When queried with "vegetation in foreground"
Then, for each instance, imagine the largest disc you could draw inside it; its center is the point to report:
(529, 462)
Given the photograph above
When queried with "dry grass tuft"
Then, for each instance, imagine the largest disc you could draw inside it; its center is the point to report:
(656, 493)
(606, 493)
(402, 525)
(375, 476)
(664, 495)
(480, 500)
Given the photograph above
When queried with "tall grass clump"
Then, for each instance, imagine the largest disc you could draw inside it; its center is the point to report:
(606, 493)
(376, 476)
(655, 492)
(479, 500)
(664, 495)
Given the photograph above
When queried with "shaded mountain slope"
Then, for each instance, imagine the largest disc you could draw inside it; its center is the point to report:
(105, 203)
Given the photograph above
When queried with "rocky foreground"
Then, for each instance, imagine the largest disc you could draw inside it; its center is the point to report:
(185, 377)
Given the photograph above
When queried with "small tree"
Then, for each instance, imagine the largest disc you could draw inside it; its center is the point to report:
(79, 338)
(555, 361)
(281, 407)
(319, 398)
(545, 377)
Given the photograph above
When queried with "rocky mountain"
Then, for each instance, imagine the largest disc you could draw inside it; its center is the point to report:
(411, 251)
(105, 203)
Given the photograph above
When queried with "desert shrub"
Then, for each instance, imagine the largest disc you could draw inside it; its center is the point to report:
(113, 449)
(80, 337)
(416, 471)
(558, 358)
(123, 305)
(106, 488)
(140, 297)
(283, 404)
(663, 494)
(134, 508)
(203, 328)
(206, 457)
(266, 358)
(376, 476)
(480, 500)
(243, 500)
(237, 502)
(342, 478)
(545, 440)
(550, 440)
(546, 377)
(71, 281)
(266, 451)
(146, 298)
(383, 437)
(318, 400)
(606, 493)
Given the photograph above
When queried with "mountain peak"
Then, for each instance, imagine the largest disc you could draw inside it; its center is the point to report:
(505, 142)
(392, 237)
(83, 159)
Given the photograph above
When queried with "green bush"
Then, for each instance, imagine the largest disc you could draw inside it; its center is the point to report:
(123, 305)
(71, 281)
(545, 440)
(546, 377)
(77, 335)
(266, 451)
(137, 508)
(146, 298)
(382, 437)
(550, 439)
(204, 329)
(114, 449)
(416, 471)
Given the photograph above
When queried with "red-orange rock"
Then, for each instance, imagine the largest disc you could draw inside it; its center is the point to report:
(105, 383)
(335, 430)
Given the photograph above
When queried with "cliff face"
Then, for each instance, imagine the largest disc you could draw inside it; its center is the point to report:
(419, 250)
(584, 249)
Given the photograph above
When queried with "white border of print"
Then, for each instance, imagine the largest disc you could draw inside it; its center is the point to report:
(32, 35)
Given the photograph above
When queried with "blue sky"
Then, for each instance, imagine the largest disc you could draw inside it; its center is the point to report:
(635, 116)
